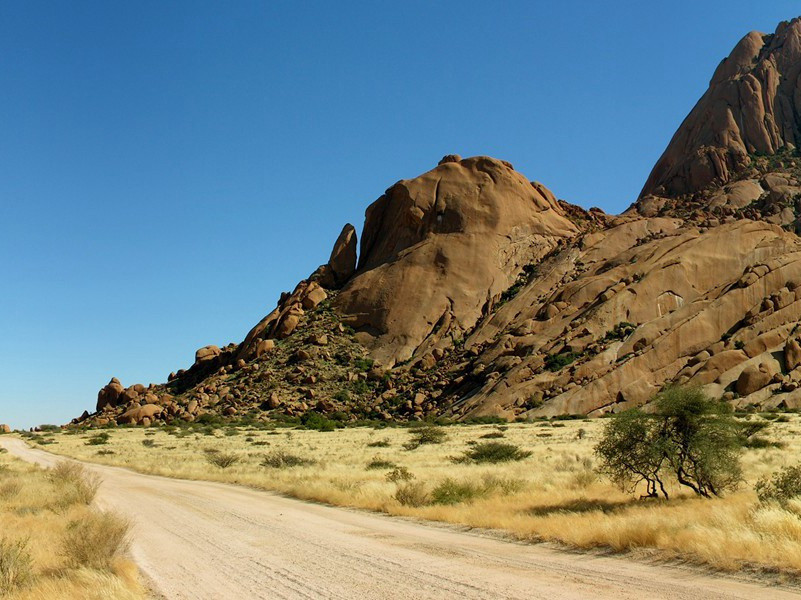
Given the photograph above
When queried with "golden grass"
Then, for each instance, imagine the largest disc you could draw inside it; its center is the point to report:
(552, 495)
(40, 512)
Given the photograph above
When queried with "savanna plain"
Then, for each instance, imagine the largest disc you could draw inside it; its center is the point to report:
(534, 482)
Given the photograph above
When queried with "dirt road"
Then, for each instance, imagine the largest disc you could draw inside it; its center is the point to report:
(198, 540)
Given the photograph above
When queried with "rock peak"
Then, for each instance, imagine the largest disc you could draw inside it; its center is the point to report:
(752, 108)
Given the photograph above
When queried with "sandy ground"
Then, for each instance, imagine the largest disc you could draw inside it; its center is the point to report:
(199, 540)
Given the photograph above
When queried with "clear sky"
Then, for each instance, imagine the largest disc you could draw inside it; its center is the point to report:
(168, 168)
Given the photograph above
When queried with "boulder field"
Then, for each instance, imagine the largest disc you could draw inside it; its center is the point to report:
(474, 291)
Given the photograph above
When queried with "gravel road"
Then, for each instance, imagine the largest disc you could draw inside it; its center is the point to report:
(198, 540)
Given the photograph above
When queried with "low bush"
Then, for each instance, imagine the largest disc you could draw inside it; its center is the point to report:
(222, 460)
(281, 460)
(428, 434)
(380, 463)
(16, 565)
(80, 485)
(95, 541)
(411, 493)
(494, 452)
(492, 435)
(399, 474)
(379, 444)
(318, 422)
(450, 491)
(99, 439)
(781, 487)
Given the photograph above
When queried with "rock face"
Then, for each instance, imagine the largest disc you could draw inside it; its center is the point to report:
(753, 106)
(477, 292)
(438, 249)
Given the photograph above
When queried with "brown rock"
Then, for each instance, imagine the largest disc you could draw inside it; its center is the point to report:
(750, 107)
(5, 428)
(207, 354)
(427, 240)
(264, 346)
(135, 416)
(110, 394)
(343, 257)
(754, 378)
(792, 354)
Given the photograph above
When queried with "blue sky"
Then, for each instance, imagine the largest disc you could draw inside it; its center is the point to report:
(167, 169)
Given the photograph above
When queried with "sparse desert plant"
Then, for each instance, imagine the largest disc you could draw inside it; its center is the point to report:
(399, 474)
(781, 487)
(148, 443)
(223, 460)
(689, 435)
(427, 434)
(16, 565)
(379, 444)
(494, 452)
(95, 540)
(99, 439)
(411, 493)
(79, 484)
(380, 463)
(281, 459)
(450, 491)
(9, 489)
(492, 435)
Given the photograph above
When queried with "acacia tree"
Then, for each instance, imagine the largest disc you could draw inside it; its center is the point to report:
(687, 436)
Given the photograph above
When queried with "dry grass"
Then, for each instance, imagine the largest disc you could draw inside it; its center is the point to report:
(44, 511)
(551, 495)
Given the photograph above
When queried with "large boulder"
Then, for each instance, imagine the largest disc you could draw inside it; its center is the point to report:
(136, 416)
(5, 428)
(436, 250)
(754, 378)
(207, 354)
(110, 394)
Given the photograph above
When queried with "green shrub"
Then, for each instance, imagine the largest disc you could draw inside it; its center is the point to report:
(342, 396)
(781, 487)
(492, 435)
(494, 452)
(688, 434)
(316, 421)
(555, 362)
(280, 459)
(428, 434)
(99, 439)
(363, 364)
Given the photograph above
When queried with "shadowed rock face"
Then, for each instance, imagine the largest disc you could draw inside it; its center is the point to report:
(436, 249)
(752, 106)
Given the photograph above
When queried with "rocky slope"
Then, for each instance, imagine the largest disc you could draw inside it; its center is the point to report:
(476, 292)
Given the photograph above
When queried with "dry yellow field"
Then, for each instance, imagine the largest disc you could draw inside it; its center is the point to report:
(51, 541)
(552, 495)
